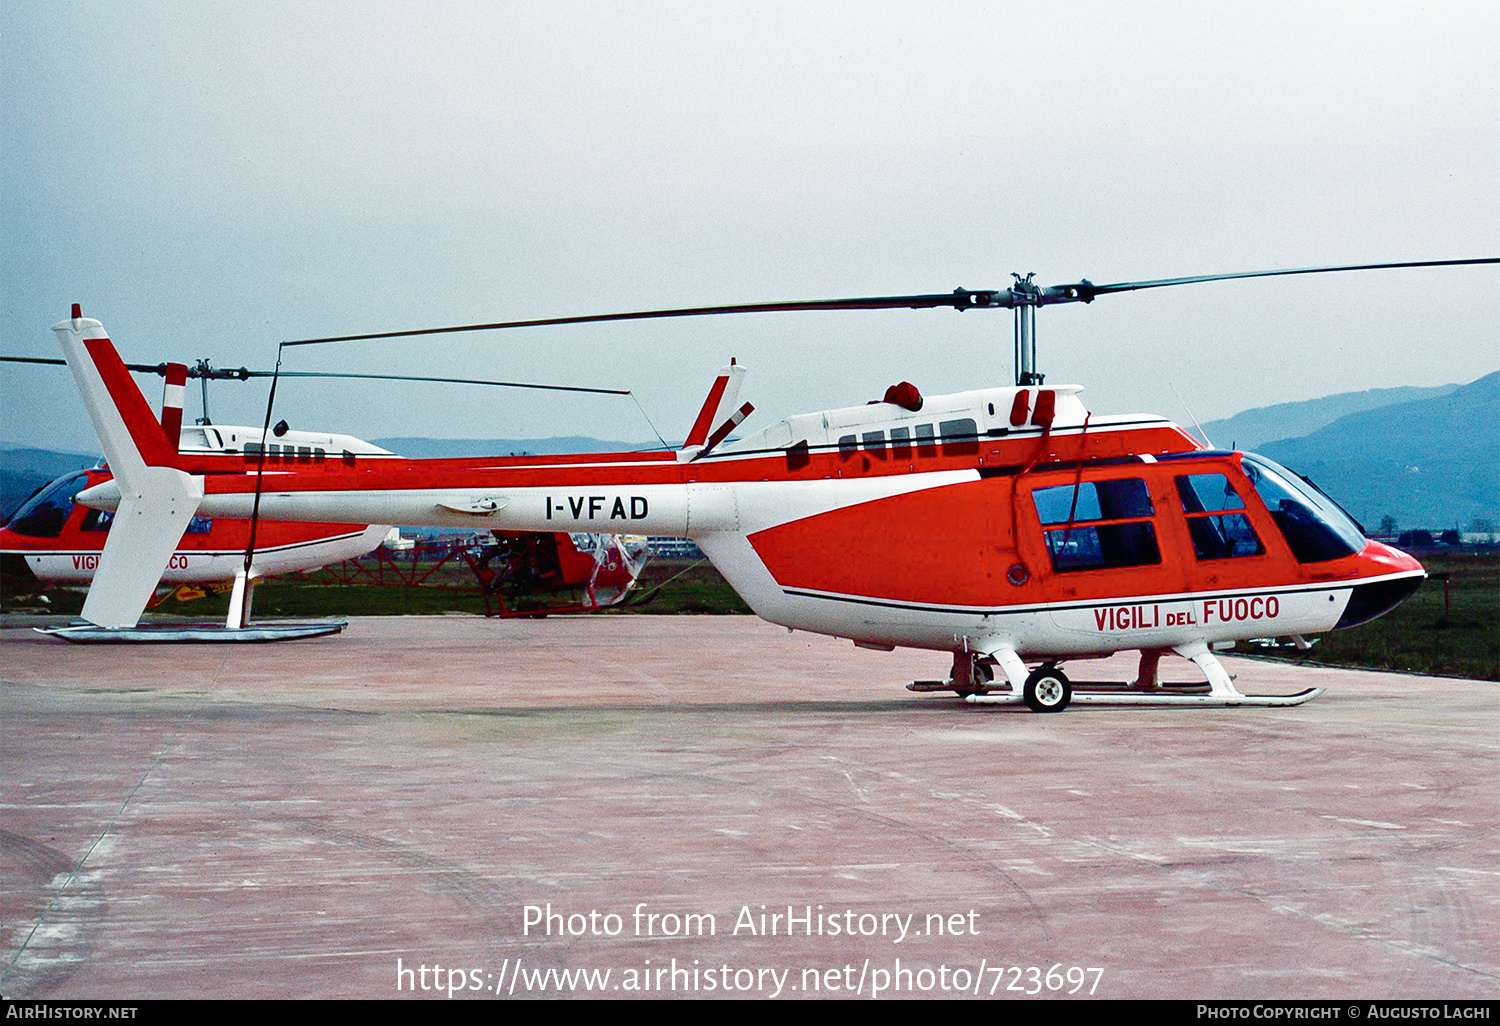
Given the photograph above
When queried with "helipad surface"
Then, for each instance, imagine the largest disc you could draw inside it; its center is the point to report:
(291, 820)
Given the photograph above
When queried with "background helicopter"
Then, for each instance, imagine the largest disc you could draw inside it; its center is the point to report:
(50, 538)
(998, 524)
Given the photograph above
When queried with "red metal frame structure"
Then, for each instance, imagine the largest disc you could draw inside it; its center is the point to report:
(414, 567)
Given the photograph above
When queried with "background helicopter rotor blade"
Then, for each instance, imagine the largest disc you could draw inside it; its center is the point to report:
(144, 368)
(244, 374)
(449, 381)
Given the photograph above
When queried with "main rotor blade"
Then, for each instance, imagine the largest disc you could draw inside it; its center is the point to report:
(1085, 291)
(1023, 294)
(960, 299)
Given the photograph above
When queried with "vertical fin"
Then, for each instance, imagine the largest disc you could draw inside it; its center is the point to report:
(719, 404)
(157, 500)
(128, 430)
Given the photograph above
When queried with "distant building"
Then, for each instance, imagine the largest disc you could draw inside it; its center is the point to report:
(673, 548)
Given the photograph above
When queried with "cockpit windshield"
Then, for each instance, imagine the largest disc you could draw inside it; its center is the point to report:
(1314, 527)
(45, 513)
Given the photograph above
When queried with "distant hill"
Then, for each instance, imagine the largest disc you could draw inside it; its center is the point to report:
(23, 471)
(1252, 429)
(1431, 463)
(445, 448)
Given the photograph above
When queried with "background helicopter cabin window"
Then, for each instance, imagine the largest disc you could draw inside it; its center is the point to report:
(44, 514)
(960, 437)
(101, 519)
(1098, 525)
(1216, 534)
(97, 520)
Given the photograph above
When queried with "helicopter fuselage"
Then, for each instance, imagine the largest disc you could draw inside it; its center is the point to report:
(1005, 518)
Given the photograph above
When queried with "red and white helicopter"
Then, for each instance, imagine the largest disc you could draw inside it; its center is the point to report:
(1004, 525)
(52, 538)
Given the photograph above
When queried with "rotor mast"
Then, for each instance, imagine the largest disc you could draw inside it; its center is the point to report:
(1024, 296)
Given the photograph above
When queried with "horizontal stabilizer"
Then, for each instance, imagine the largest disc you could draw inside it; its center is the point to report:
(153, 513)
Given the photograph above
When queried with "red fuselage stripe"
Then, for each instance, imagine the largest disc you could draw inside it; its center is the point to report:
(603, 469)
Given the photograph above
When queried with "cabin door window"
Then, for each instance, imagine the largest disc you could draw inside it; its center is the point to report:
(1098, 525)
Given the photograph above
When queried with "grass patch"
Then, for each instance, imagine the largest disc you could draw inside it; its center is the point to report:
(667, 586)
(1425, 634)
(683, 586)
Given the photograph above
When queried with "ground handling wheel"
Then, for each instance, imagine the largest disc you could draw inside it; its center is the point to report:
(1047, 690)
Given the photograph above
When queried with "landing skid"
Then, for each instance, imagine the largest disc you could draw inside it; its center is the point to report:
(1128, 696)
(212, 633)
(1047, 690)
(236, 627)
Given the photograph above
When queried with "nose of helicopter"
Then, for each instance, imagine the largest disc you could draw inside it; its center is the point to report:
(1379, 558)
(1376, 598)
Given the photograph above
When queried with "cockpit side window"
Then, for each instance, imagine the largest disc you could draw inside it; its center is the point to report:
(1216, 534)
(45, 513)
(1314, 528)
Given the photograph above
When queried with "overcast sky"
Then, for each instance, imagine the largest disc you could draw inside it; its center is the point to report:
(208, 179)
